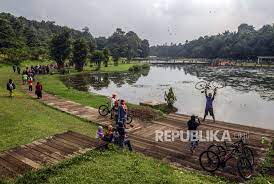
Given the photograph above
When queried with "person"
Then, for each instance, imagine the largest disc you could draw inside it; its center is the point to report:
(38, 90)
(14, 68)
(30, 81)
(122, 137)
(115, 111)
(112, 103)
(10, 87)
(100, 133)
(122, 112)
(108, 136)
(209, 104)
(24, 78)
(18, 70)
(192, 128)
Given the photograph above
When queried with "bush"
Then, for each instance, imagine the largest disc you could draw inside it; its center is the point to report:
(145, 113)
(138, 68)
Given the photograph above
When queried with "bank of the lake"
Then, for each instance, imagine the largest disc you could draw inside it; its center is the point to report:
(24, 120)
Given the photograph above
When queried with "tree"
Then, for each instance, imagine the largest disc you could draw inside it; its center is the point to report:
(170, 98)
(144, 49)
(61, 48)
(80, 52)
(7, 35)
(97, 58)
(106, 56)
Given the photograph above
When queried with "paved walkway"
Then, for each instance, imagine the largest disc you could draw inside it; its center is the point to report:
(44, 152)
(142, 135)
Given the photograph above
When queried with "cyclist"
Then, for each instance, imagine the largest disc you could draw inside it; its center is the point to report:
(192, 130)
(10, 87)
(112, 103)
(209, 104)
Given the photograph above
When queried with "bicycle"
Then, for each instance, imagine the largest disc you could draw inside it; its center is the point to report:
(205, 85)
(240, 145)
(104, 110)
(211, 160)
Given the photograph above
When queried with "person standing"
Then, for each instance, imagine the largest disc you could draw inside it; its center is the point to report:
(209, 104)
(14, 68)
(122, 112)
(192, 125)
(10, 87)
(38, 90)
(30, 82)
(112, 103)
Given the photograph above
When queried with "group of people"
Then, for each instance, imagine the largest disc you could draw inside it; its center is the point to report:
(118, 134)
(28, 78)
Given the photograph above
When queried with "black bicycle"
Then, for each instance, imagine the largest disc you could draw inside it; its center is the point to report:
(205, 85)
(241, 149)
(104, 110)
(217, 156)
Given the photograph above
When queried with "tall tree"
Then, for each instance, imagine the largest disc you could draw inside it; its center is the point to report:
(97, 58)
(80, 52)
(106, 56)
(61, 48)
(144, 49)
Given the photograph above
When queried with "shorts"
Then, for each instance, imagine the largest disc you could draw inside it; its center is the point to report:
(210, 111)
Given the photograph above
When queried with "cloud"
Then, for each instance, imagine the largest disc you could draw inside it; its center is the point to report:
(159, 21)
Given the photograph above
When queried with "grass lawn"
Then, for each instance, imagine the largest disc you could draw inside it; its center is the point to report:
(115, 166)
(24, 120)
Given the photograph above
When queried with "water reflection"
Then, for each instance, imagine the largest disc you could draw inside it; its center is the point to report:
(99, 81)
(247, 99)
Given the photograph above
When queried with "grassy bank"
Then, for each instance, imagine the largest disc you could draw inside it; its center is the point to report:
(24, 120)
(115, 166)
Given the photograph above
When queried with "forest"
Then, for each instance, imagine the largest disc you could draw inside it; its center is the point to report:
(245, 43)
(21, 38)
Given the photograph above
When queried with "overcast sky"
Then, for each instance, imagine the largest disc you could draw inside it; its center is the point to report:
(159, 21)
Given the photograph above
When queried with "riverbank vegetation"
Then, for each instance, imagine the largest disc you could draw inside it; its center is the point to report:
(247, 43)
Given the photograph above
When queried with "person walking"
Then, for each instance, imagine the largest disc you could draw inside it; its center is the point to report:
(38, 90)
(30, 82)
(10, 87)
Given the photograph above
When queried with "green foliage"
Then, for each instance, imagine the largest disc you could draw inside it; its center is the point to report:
(97, 57)
(246, 43)
(61, 48)
(170, 97)
(80, 52)
(138, 68)
(106, 56)
(7, 35)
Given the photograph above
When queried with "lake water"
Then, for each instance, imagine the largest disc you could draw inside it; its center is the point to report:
(247, 99)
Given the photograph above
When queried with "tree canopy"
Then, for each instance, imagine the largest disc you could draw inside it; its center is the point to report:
(246, 43)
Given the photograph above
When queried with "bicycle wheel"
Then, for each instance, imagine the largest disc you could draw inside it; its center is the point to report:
(245, 169)
(103, 110)
(209, 161)
(248, 153)
(217, 85)
(129, 119)
(201, 85)
(220, 150)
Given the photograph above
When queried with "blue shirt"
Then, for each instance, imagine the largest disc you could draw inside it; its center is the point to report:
(209, 101)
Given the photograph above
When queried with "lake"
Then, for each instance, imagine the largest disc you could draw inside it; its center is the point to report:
(247, 99)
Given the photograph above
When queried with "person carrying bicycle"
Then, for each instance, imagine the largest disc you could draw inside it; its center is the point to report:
(10, 87)
(192, 125)
(209, 104)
